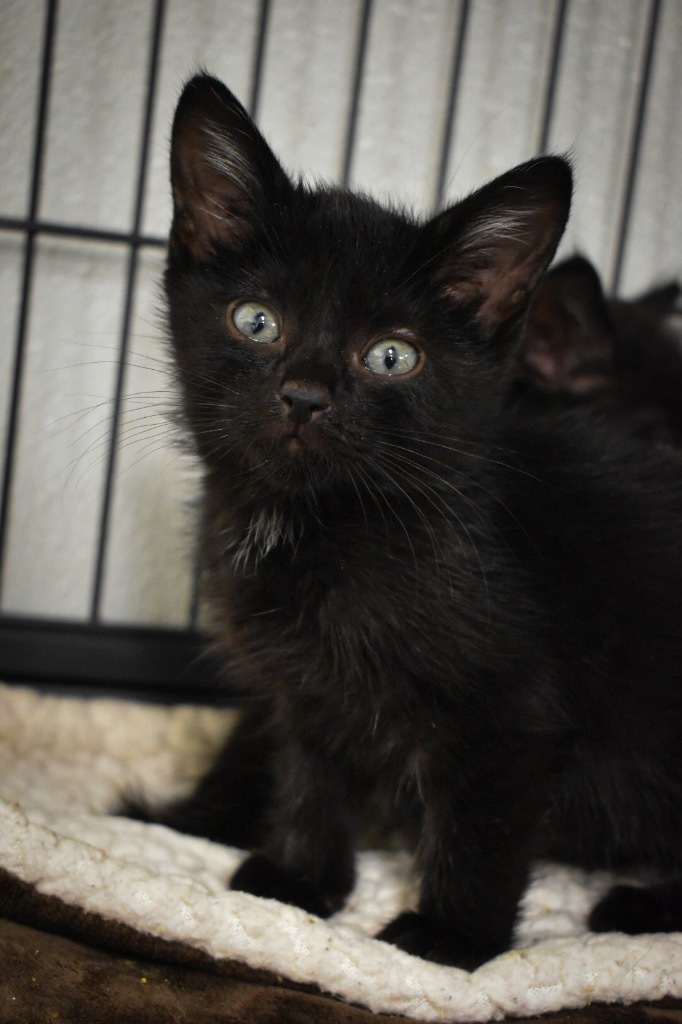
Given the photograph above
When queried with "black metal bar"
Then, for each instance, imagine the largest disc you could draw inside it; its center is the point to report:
(635, 145)
(80, 231)
(27, 276)
(553, 75)
(195, 600)
(358, 72)
(105, 514)
(455, 78)
(259, 59)
(141, 662)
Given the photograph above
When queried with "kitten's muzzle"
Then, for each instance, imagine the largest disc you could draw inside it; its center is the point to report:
(304, 401)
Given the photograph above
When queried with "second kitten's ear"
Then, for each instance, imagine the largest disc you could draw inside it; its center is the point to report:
(494, 246)
(222, 171)
(568, 342)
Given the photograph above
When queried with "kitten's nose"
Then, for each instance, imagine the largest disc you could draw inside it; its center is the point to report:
(304, 400)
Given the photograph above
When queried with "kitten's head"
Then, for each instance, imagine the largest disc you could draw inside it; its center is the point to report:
(321, 337)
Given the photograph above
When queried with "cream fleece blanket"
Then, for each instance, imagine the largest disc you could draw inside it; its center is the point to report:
(63, 765)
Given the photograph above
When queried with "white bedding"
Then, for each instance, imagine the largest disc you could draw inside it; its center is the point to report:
(64, 763)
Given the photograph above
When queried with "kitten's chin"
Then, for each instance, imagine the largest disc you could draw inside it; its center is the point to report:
(286, 465)
(287, 459)
(302, 441)
(294, 446)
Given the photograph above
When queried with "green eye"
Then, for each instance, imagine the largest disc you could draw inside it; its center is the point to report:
(255, 322)
(391, 357)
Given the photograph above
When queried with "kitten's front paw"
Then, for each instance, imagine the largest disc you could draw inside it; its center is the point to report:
(261, 876)
(635, 911)
(423, 937)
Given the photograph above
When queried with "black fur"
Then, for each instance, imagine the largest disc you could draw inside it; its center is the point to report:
(455, 605)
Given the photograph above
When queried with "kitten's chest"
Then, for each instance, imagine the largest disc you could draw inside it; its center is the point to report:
(326, 604)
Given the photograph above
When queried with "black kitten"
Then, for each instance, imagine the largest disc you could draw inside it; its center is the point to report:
(450, 604)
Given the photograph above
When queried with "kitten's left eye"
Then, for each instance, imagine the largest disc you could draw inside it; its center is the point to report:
(255, 322)
(391, 357)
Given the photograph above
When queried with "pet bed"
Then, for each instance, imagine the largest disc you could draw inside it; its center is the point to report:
(109, 919)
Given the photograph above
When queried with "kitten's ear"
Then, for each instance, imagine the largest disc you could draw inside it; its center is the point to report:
(496, 244)
(223, 173)
(568, 342)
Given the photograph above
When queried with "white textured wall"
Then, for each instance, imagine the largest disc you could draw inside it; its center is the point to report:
(89, 179)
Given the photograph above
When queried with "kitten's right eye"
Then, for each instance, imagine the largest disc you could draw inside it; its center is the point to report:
(255, 321)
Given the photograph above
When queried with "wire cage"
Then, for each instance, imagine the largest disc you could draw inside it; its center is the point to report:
(419, 100)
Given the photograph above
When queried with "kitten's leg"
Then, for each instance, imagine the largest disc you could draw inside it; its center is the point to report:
(635, 910)
(475, 855)
(228, 804)
(307, 859)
